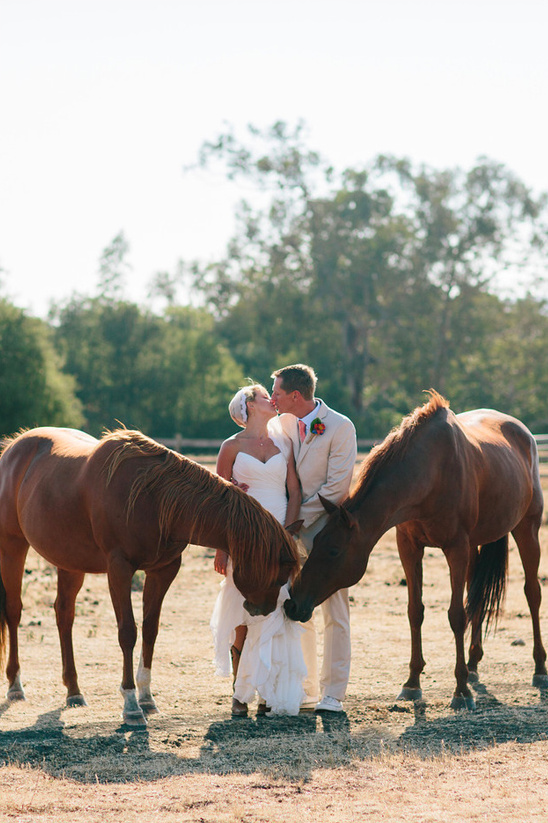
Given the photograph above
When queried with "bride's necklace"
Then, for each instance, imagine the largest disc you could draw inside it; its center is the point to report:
(262, 439)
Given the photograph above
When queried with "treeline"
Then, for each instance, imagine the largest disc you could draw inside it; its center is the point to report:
(387, 279)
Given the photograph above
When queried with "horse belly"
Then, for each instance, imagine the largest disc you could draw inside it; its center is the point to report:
(504, 502)
(60, 531)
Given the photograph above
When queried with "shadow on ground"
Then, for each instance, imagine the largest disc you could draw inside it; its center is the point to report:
(288, 748)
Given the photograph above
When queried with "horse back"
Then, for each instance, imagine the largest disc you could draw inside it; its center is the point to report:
(43, 493)
(505, 463)
(499, 435)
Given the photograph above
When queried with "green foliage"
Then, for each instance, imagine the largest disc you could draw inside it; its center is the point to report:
(381, 278)
(384, 278)
(34, 390)
(163, 375)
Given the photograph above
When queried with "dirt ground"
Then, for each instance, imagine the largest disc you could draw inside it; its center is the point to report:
(381, 758)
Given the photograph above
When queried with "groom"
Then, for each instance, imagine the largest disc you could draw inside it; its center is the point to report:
(324, 444)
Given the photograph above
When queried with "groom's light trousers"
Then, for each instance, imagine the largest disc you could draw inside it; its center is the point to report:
(336, 640)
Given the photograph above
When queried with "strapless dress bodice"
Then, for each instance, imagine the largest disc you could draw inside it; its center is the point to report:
(266, 481)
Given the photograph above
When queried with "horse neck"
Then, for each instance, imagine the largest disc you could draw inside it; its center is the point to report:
(203, 533)
(392, 497)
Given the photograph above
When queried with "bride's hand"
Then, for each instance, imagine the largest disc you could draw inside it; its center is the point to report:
(243, 486)
(221, 561)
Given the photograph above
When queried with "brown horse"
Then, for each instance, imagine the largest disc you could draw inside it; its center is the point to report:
(117, 505)
(454, 482)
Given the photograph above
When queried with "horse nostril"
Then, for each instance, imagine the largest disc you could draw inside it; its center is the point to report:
(250, 608)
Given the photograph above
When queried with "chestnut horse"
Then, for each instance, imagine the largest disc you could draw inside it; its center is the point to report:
(457, 482)
(117, 505)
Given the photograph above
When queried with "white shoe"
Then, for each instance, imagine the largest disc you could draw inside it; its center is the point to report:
(329, 704)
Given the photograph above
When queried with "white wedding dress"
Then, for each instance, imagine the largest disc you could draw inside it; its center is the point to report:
(271, 664)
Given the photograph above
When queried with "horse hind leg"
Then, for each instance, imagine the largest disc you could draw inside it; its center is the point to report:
(68, 586)
(12, 566)
(486, 581)
(526, 537)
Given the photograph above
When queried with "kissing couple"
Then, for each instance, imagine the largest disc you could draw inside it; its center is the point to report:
(292, 448)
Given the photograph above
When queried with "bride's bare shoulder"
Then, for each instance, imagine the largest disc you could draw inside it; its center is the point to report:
(232, 445)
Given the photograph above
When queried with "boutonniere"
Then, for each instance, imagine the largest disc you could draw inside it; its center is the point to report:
(316, 428)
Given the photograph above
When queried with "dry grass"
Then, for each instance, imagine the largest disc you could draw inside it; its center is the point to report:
(381, 760)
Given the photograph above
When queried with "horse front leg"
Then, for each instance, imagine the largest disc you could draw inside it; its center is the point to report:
(157, 583)
(475, 651)
(68, 586)
(12, 567)
(411, 555)
(526, 537)
(120, 574)
(457, 558)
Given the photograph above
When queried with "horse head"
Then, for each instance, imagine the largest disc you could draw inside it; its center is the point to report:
(334, 561)
(263, 599)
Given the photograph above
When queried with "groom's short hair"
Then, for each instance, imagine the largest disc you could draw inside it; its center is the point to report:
(299, 378)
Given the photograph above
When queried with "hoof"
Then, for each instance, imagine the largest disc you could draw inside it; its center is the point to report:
(410, 694)
(149, 707)
(540, 681)
(15, 694)
(135, 720)
(461, 701)
(473, 677)
(75, 700)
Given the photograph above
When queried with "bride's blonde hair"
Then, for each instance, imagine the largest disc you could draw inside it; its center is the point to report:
(237, 408)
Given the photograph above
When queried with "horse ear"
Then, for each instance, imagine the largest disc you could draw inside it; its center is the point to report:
(328, 505)
(348, 519)
(295, 527)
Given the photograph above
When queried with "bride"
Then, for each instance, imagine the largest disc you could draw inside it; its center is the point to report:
(266, 651)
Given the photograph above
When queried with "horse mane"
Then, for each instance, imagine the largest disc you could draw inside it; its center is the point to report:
(9, 439)
(396, 443)
(182, 489)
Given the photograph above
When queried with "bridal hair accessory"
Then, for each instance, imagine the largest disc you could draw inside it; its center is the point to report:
(243, 406)
(316, 428)
(237, 407)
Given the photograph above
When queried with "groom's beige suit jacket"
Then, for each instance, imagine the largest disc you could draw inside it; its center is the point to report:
(325, 463)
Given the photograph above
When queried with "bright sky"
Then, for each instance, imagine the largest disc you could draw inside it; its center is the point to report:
(103, 102)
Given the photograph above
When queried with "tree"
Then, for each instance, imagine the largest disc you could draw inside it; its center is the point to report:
(368, 274)
(190, 375)
(114, 268)
(34, 390)
(162, 374)
(468, 227)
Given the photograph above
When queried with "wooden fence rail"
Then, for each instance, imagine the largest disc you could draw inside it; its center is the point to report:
(198, 446)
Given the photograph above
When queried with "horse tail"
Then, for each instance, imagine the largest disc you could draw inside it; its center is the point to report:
(488, 585)
(3, 622)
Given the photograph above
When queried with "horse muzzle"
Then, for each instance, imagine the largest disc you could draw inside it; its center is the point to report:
(255, 610)
(298, 611)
